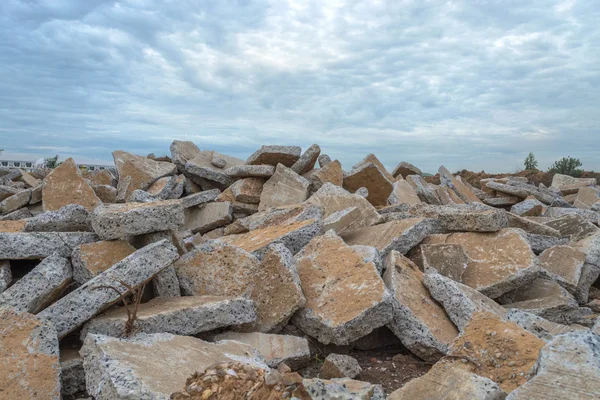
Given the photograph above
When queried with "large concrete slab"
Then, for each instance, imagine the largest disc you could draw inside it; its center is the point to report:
(64, 186)
(283, 188)
(36, 245)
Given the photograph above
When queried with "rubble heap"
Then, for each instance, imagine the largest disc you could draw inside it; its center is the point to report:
(204, 276)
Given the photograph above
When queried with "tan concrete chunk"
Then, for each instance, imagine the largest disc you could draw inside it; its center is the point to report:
(207, 217)
(283, 188)
(29, 180)
(405, 169)
(12, 226)
(29, 365)
(586, 197)
(345, 296)
(330, 173)
(564, 264)
(64, 185)
(447, 259)
(403, 193)
(499, 350)
(91, 259)
(273, 155)
(248, 190)
(419, 321)
(460, 188)
(379, 182)
(559, 181)
(137, 172)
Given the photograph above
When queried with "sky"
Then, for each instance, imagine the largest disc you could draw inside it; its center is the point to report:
(467, 84)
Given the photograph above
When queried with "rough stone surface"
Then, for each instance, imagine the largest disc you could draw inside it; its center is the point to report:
(342, 389)
(324, 159)
(400, 235)
(5, 275)
(22, 213)
(12, 226)
(91, 259)
(474, 221)
(248, 190)
(275, 290)
(208, 217)
(276, 349)
(341, 220)
(540, 243)
(106, 194)
(574, 227)
(202, 166)
(250, 171)
(197, 199)
(463, 191)
(419, 321)
(370, 255)
(559, 181)
(563, 264)
(502, 201)
(29, 366)
(188, 315)
(70, 218)
(307, 160)
(153, 366)
(15, 202)
(182, 151)
(345, 297)
(557, 212)
(532, 227)
(529, 208)
(64, 186)
(294, 236)
(216, 269)
(72, 375)
(283, 188)
(449, 381)
(369, 174)
(138, 172)
(339, 366)
(567, 366)
(117, 221)
(449, 260)
(403, 193)
(333, 198)
(40, 287)
(405, 169)
(587, 197)
(93, 297)
(34, 245)
(273, 155)
(461, 302)
(330, 173)
(539, 326)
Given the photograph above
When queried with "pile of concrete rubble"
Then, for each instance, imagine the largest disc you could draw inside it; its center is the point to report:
(203, 276)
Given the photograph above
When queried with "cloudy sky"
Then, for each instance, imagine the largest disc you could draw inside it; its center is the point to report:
(468, 84)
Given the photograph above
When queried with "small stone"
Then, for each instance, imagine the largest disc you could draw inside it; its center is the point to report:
(340, 366)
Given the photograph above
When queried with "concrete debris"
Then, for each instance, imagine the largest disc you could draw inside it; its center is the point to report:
(283, 188)
(587, 197)
(106, 194)
(153, 366)
(276, 349)
(530, 207)
(539, 326)
(201, 166)
(207, 217)
(91, 259)
(72, 375)
(449, 260)
(403, 193)
(371, 174)
(15, 202)
(405, 169)
(64, 186)
(29, 366)
(345, 297)
(70, 218)
(463, 191)
(200, 198)
(561, 181)
(419, 321)
(573, 227)
(247, 190)
(250, 171)
(5, 276)
(341, 220)
(38, 245)
(273, 155)
(117, 221)
(323, 159)
(12, 226)
(21, 213)
(473, 220)
(40, 287)
(96, 295)
(137, 172)
(339, 366)
(307, 160)
(188, 315)
(563, 264)
(370, 254)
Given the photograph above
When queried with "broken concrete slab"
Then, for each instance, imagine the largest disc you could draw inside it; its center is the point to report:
(323, 159)
(425, 191)
(283, 188)
(94, 296)
(449, 380)
(587, 197)
(40, 287)
(340, 366)
(307, 160)
(275, 290)
(22, 213)
(560, 180)
(460, 301)
(376, 179)
(72, 376)
(341, 220)
(153, 366)
(91, 259)
(342, 389)
(37, 245)
(30, 180)
(106, 194)
(14, 202)
(403, 193)
(540, 243)
(338, 308)
(117, 221)
(248, 190)
(276, 349)
(498, 349)
(202, 166)
(29, 366)
(70, 218)
(449, 260)
(217, 269)
(12, 226)
(419, 321)
(273, 155)
(573, 226)
(462, 190)
(333, 198)
(7, 191)
(200, 198)
(103, 177)
(501, 201)
(400, 235)
(564, 265)
(530, 207)
(138, 172)
(405, 169)
(250, 171)
(330, 173)
(370, 254)
(188, 315)
(539, 326)
(568, 364)
(182, 151)
(531, 226)
(275, 216)
(64, 186)
(294, 236)
(5, 275)
(473, 220)
(557, 212)
(207, 217)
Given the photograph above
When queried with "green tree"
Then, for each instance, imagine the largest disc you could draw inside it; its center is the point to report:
(530, 162)
(51, 162)
(567, 166)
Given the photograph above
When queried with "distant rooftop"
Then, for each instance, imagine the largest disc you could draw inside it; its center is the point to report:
(30, 165)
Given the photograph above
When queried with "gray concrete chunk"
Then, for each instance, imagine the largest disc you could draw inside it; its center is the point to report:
(91, 298)
(208, 217)
(117, 221)
(70, 218)
(273, 155)
(72, 375)
(307, 160)
(34, 245)
(250, 171)
(283, 188)
(187, 315)
(474, 220)
(40, 287)
(5, 275)
(197, 199)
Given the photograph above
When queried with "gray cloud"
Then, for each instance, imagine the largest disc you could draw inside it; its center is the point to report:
(467, 84)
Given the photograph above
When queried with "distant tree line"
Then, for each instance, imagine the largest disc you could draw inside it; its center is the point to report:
(566, 165)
